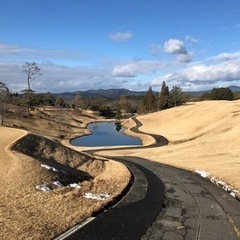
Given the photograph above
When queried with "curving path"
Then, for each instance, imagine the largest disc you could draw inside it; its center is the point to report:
(166, 203)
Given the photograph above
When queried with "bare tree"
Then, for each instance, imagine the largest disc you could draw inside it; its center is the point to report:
(32, 70)
(77, 100)
(4, 93)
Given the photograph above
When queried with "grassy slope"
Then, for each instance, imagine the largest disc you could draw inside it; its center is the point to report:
(202, 135)
(30, 214)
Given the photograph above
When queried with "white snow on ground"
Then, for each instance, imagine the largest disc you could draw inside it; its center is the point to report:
(75, 185)
(202, 173)
(57, 183)
(218, 182)
(49, 168)
(96, 196)
(43, 188)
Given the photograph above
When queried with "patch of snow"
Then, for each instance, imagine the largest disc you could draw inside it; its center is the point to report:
(202, 173)
(224, 186)
(49, 168)
(75, 185)
(43, 188)
(96, 196)
(219, 183)
(57, 183)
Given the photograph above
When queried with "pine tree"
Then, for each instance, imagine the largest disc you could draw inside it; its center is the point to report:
(176, 97)
(150, 101)
(163, 96)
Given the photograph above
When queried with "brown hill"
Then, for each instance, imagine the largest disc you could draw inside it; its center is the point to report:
(202, 135)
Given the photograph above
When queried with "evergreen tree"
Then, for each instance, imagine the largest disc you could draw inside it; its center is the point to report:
(176, 97)
(163, 96)
(222, 94)
(118, 114)
(149, 101)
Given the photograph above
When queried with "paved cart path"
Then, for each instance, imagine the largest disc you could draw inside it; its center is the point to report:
(193, 208)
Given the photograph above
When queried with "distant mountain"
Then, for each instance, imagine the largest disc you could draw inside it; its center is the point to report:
(200, 93)
(196, 93)
(116, 93)
(235, 88)
(108, 93)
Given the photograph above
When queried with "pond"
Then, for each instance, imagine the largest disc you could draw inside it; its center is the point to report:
(105, 134)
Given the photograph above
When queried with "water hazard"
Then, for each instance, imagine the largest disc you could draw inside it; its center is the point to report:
(105, 134)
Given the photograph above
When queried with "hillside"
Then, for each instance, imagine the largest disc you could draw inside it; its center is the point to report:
(202, 135)
(106, 93)
(118, 92)
(37, 198)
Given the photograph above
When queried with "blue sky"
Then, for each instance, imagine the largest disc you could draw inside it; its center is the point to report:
(133, 44)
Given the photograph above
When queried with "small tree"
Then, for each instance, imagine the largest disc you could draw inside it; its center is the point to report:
(123, 104)
(77, 101)
(32, 70)
(4, 93)
(48, 100)
(118, 114)
(59, 102)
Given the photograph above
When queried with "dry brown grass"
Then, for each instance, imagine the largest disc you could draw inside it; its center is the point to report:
(26, 213)
(202, 135)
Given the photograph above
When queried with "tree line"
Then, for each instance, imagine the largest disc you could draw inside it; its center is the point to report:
(28, 99)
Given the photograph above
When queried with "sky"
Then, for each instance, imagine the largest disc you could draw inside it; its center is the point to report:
(132, 44)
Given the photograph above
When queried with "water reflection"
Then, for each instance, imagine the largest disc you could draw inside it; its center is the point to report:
(106, 134)
(118, 126)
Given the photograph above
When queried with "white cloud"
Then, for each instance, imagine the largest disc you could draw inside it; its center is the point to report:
(199, 74)
(222, 69)
(184, 58)
(174, 46)
(127, 70)
(225, 56)
(191, 40)
(133, 69)
(7, 48)
(121, 36)
(56, 78)
(17, 52)
(155, 50)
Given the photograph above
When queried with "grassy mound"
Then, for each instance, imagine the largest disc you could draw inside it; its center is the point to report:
(27, 213)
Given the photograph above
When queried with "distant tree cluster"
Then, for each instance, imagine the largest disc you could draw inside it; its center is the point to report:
(164, 99)
(219, 94)
(105, 106)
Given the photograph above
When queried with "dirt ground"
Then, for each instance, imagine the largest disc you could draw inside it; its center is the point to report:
(202, 135)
